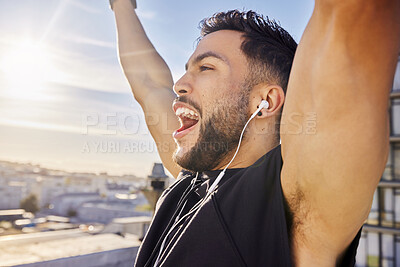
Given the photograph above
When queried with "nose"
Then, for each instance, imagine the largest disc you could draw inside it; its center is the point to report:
(182, 86)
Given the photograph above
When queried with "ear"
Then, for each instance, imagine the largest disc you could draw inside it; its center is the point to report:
(272, 93)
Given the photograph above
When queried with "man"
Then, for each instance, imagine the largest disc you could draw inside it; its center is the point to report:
(302, 202)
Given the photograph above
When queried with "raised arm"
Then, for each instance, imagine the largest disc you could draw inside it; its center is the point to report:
(150, 80)
(341, 79)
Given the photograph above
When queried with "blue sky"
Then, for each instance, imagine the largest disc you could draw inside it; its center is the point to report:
(59, 71)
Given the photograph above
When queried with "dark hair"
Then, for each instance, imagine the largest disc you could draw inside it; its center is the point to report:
(268, 47)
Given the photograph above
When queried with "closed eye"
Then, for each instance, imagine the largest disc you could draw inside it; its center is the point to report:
(204, 68)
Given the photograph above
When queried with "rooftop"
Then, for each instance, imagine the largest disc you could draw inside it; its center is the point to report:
(37, 250)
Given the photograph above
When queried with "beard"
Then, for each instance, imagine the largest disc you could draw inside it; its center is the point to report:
(219, 134)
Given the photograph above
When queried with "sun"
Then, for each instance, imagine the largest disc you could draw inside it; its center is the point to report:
(26, 67)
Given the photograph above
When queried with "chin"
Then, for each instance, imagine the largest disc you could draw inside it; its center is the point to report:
(195, 160)
(184, 146)
(180, 155)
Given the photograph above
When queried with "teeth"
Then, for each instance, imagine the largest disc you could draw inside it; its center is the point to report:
(187, 113)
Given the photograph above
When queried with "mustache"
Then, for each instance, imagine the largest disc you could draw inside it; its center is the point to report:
(187, 100)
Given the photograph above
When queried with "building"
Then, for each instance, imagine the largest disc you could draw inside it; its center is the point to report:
(68, 248)
(105, 210)
(12, 193)
(67, 204)
(12, 215)
(157, 180)
(129, 225)
(380, 239)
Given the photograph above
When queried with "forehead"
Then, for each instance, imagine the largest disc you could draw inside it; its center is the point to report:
(224, 43)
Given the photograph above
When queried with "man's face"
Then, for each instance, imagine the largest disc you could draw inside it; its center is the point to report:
(213, 102)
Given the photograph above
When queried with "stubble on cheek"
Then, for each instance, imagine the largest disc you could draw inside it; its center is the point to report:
(218, 133)
(217, 138)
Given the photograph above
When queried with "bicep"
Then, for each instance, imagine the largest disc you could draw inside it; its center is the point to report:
(339, 87)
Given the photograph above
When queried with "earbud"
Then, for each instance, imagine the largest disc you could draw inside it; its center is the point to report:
(263, 104)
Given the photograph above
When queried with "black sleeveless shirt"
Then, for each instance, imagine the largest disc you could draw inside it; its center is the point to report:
(243, 223)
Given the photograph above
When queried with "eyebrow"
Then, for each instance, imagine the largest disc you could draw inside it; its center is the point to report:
(200, 57)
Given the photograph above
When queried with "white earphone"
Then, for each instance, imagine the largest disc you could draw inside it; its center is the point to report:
(263, 104)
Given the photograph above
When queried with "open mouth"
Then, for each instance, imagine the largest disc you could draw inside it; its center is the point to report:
(188, 119)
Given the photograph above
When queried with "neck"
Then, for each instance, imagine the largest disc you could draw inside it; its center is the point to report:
(251, 149)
